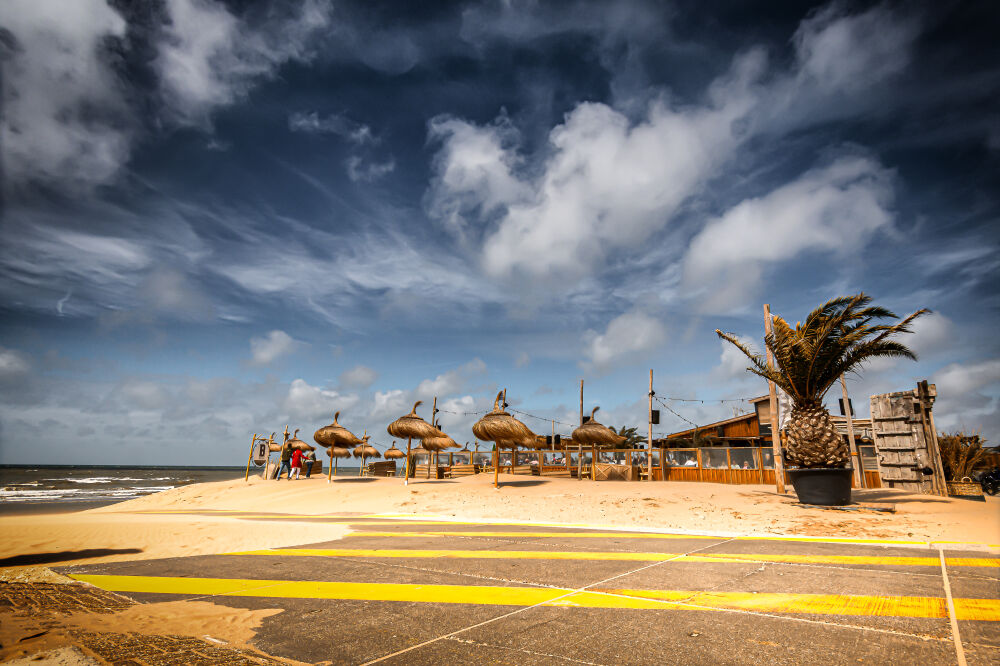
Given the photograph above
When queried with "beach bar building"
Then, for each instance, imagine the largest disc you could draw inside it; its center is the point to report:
(740, 449)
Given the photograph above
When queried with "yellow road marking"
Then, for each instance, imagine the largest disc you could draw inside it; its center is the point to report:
(809, 604)
(626, 535)
(417, 519)
(622, 557)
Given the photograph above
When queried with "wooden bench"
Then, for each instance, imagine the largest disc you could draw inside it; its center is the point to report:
(462, 470)
(381, 468)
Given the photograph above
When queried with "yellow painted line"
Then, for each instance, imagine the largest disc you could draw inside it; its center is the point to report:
(542, 535)
(810, 604)
(419, 519)
(627, 535)
(621, 557)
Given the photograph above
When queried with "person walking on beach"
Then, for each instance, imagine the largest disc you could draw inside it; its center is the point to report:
(286, 458)
(296, 463)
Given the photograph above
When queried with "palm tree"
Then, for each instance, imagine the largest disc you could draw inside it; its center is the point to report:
(837, 337)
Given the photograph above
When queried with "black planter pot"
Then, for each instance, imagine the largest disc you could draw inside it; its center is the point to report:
(825, 486)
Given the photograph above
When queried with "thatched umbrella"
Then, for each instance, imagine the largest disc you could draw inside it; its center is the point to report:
(411, 426)
(336, 452)
(335, 436)
(504, 430)
(299, 444)
(595, 434)
(392, 453)
(437, 444)
(366, 450)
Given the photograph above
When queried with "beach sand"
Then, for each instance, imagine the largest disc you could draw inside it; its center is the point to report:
(136, 530)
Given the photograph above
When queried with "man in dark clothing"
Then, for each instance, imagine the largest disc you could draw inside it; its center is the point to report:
(286, 460)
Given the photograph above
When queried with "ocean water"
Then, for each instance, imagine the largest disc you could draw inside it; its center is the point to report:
(37, 484)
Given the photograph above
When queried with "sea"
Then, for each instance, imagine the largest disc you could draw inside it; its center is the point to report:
(43, 488)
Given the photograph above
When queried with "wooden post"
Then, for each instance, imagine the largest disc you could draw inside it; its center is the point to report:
(930, 435)
(406, 466)
(329, 470)
(253, 440)
(760, 465)
(859, 472)
(496, 465)
(697, 453)
(581, 402)
(649, 436)
(729, 466)
(779, 463)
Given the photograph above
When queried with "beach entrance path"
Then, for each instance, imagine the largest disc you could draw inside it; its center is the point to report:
(420, 591)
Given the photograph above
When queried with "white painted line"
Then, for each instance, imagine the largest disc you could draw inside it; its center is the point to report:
(959, 650)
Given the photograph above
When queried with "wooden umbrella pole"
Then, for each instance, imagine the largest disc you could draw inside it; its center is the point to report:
(329, 470)
(253, 440)
(593, 462)
(496, 465)
(406, 465)
(335, 463)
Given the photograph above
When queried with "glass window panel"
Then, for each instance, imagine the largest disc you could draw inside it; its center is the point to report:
(714, 459)
(685, 458)
(767, 456)
(743, 458)
(868, 460)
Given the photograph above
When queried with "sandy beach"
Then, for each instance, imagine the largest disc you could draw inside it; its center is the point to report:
(168, 524)
(151, 527)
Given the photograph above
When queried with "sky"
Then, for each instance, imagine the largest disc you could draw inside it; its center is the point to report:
(219, 218)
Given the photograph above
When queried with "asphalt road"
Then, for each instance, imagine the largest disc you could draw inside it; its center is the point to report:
(431, 591)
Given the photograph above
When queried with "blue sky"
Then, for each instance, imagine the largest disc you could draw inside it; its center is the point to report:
(219, 218)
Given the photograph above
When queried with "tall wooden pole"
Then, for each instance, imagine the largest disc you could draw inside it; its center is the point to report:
(779, 463)
(581, 402)
(253, 440)
(433, 454)
(649, 437)
(859, 473)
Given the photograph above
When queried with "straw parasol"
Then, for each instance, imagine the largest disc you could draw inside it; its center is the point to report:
(335, 436)
(437, 444)
(412, 426)
(299, 444)
(503, 429)
(366, 450)
(392, 453)
(336, 452)
(595, 434)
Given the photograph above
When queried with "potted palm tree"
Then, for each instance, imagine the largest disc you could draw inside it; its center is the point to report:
(837, 337)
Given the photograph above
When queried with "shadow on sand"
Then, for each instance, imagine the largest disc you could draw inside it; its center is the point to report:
(64, 555)
(523, 484)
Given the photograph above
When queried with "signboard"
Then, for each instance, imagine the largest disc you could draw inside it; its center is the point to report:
(260, 453)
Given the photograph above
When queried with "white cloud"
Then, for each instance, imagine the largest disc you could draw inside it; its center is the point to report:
(833, 209)
(311, 402)
(337, 124)
(209, 57)
(63, 106)
(608, 183)
(360, 377)
(628, 337)
(13, 365)
(733, 363)
(958, 379)
(266, 350)
(841, 52)
(361, 171)
(452, 381)
(522, 360)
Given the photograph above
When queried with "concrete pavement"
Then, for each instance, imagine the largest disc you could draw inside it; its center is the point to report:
(433, 591)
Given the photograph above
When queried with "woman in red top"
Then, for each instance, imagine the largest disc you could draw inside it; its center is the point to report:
(296, 463)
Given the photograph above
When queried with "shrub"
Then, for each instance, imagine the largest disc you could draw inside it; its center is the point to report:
(960, 453)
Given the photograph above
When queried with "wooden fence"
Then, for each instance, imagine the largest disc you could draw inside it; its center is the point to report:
(732, 465)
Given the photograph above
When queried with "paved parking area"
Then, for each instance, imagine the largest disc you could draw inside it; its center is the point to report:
(431, 591)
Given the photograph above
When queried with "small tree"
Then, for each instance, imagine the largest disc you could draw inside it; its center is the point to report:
(960, 453)
(837, 337)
